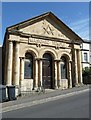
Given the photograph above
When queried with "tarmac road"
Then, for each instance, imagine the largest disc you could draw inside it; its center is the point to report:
(76, 106)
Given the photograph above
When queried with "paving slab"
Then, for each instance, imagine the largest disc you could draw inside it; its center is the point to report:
(48, 94)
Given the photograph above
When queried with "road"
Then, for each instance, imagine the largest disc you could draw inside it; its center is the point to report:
(76, 106)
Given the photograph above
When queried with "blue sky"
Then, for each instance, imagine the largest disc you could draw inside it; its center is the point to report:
(73, 14)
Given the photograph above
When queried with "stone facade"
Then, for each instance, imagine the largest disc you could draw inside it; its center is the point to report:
(50, 42)
(1, 64)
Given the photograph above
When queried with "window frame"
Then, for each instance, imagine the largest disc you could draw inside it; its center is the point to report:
(85, 57)
(64, 64)
(28, 61)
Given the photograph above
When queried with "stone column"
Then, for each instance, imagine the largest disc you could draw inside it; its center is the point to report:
(36, 74)
(76, 68)
(56, 86)
(40, 72)
(59, 74)
(9, 64)
(70, 76)
(73, 64)
(16, 65)
(79, 68)
(21, 68)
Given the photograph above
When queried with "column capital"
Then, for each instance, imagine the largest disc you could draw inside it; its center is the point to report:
(22, 57)
(70, 61)
(57, 60)
(10, 40)
(38, 59)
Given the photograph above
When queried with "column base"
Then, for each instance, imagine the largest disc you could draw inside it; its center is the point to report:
(56, 87)
(76, 85)
(70, 86)
(80, 84)
(59, 87)
(35, 88)
(17, 91)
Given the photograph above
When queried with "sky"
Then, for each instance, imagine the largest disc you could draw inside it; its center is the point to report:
(74, 14)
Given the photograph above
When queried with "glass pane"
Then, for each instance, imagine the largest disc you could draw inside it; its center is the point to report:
(28, 69)
(63, 71)
(85, 57)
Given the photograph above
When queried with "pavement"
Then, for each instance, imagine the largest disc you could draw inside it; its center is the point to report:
(35, 98)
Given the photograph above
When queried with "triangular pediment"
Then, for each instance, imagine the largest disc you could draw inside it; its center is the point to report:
(45, 28)
(46, 25)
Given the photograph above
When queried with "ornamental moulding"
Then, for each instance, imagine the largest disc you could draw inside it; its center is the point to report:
(47, 42)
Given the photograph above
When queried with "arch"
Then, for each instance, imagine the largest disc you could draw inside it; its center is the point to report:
(65, 54)
(47, 56)
(47, 50)
(32, 51)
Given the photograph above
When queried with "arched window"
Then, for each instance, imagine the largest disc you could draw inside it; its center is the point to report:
(28, 66)
(63, 68)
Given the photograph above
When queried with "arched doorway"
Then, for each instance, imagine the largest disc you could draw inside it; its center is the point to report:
(47, 71)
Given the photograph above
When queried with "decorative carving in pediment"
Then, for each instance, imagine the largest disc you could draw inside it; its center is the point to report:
(44, 28)
(48, 29)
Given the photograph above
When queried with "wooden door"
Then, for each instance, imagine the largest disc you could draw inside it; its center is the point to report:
(47, 71)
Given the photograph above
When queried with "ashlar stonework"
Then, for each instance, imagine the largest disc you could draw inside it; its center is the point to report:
(41, 51)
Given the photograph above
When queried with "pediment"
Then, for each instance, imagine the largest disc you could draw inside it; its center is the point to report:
(45, 28)
(46, 24)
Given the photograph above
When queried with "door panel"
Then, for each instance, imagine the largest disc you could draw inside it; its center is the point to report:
(47, 72)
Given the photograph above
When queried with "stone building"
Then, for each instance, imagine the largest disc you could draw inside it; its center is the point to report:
(0, 64)
(41, 51)
(86, 54)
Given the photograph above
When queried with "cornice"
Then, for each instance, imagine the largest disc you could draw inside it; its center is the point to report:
(22, 34)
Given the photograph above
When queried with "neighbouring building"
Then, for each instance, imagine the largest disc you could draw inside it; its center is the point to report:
(90, 53)
(86, 54)
(41, 51)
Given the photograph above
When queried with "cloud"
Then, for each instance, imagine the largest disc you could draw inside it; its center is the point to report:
(81, 27)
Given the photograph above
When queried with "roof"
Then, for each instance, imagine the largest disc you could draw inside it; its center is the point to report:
(42, 16)
(87, 41)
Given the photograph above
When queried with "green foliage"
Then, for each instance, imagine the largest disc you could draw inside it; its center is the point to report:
(86, 71)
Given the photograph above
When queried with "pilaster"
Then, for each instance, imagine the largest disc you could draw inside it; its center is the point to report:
(70, 75)
(56, 83)
(79, 68)
(9, 64)
(36, 74)
(76, 68)
(21, 68)
(40, 72)
(16, 65)
(59, 74)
